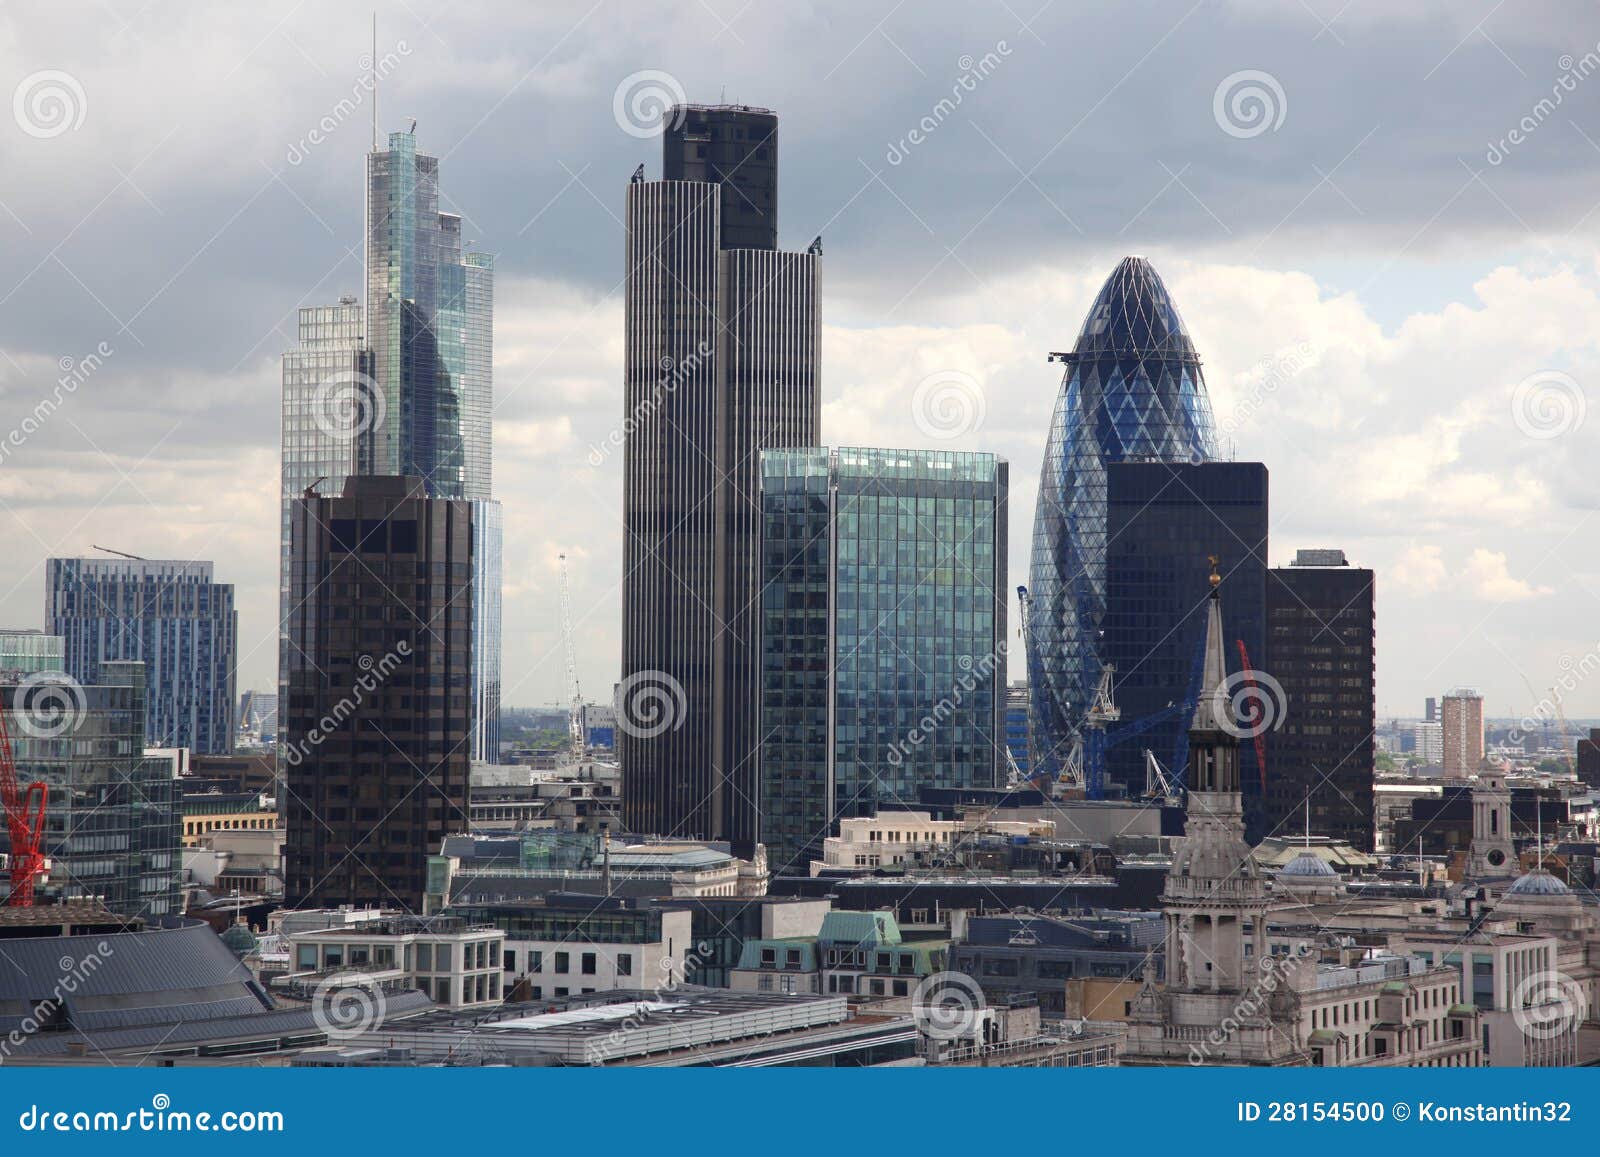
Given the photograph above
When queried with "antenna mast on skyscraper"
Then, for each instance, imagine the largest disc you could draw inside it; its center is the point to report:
(372, 65)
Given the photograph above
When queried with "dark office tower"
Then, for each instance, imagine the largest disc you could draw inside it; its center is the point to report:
(1132, 391)
(376, 729)
(735, 148)
(1321, 633)
(720, 364)
(883, 605)
(1164, 523)
(170, 615)
(1430, 708)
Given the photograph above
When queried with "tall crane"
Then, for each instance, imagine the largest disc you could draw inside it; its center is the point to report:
(575, 732)
(24, 810)
(1256, 732)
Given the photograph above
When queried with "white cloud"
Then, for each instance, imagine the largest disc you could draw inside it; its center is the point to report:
(1487, 577)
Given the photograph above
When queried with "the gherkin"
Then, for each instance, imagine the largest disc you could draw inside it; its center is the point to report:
(1132, 391)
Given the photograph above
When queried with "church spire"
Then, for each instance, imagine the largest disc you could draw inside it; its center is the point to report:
(1212, 712)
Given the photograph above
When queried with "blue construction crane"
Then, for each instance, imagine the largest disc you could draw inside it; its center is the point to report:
(1097, 740)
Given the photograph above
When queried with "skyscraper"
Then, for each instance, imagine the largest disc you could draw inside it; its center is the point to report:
(883, 635)
(1461, 713)
(406, 386)
(720, 362)
(170, 615)
(375, 725)
(1132, 390)
(1164, 523)
(1321, 636)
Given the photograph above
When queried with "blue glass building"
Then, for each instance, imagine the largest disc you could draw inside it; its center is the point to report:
(172, 616)
(1163, 522)
(883, 634)
(1132, 390)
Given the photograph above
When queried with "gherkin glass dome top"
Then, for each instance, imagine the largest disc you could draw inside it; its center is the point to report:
(1132, 390)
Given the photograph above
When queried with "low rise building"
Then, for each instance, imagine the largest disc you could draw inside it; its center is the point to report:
(450, 961)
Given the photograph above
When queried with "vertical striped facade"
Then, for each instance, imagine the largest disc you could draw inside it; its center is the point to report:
(720, 363)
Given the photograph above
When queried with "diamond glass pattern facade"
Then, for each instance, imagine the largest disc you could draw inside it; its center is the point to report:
(1132, 390)
(883, 608)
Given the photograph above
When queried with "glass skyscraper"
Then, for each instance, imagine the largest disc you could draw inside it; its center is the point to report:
(406, 385)
(1132, 390)
(175, 618)
(883, 635)
(112, 821)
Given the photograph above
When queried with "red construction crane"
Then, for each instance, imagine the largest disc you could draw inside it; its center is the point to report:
(1261, 743)
(24, 821)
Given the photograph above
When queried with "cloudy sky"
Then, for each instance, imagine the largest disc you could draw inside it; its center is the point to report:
(1378, 217)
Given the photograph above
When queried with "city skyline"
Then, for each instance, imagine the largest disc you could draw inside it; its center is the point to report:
(1391, 333)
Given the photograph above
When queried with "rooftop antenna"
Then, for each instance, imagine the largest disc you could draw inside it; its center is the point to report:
(372, 64)
(1308, 823)
(121, 554)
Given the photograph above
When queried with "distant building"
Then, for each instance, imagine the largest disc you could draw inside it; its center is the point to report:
(1018, 727)
(1588, 763)
(1321, 631)
(1461, 717)
(1164, 523)
(1428, 743)
(1430, 707)
(1106, 953)
(376, 725)
(111, 821)
(170, 615)
(453, 962)
(883, 623)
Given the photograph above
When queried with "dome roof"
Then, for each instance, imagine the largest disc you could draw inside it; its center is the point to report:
(1308, 866)
(239, 939)
(1538, 882)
